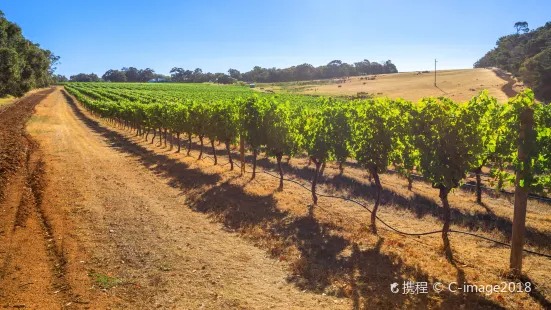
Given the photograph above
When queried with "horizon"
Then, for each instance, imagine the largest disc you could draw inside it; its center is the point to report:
(217, 37)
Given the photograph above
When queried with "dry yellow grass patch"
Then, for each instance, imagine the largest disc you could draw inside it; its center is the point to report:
(459, 85)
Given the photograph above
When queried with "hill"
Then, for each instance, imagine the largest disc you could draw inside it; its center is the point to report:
(456, 84)
(526, 55)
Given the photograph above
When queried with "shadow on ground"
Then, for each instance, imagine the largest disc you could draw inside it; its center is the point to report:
(179, 173)
(326, 257)
(419, 205)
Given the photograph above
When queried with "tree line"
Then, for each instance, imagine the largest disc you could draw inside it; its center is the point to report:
(23, 64)
(527, 55)
(303, 72)
(333, 69)
(126, 74)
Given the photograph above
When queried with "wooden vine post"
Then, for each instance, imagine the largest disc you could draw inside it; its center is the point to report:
(242, 153)
(522, 186)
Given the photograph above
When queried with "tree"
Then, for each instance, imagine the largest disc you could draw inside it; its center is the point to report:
(222, 78)
(334, 69)
(304, 72)
(177, 74)
(54, 61)
(132, 74)
(197, 75)
(522, 26)
(23, 64)
(146, 74)
(83, 77)
(58, 78)
(536, 72)
(389, 67)
(234, 73)
(363, 67)
(525, 55)
(181, 75)
(114, 76)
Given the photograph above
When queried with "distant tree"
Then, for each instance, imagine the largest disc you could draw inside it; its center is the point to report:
(522, 26)
(376, 68)
(162, 76)
(536, 71)
(132, 74)
(58, 78)
(54, 61)
(177, 74)
(146, 74)
(114, 76)
(334, 68)
(209, 77)
(525, 55)
(304, 72)
(389, 67)
(181, 75)
(83, 77)
(234, 73)
(222, 78)
(363, 67)
(198, 75)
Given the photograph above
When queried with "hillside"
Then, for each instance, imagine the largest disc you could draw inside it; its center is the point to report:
(456, 84)
(526, 55)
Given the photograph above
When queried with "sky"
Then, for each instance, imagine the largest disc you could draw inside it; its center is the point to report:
(95, 36)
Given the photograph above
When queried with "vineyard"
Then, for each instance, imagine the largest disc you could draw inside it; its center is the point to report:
(221, 156)
(440, 139)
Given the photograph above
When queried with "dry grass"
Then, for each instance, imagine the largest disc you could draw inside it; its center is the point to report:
(7, 100)
(459, 85)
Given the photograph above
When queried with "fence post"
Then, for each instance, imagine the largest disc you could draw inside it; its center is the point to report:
(526, 142)
(242, 153)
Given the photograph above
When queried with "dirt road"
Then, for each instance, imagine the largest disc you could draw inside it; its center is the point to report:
(110, 233)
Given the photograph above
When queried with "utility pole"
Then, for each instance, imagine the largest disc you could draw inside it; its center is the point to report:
(435, 72)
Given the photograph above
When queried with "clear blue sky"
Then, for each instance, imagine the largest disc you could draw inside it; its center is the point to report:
(94, 36)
